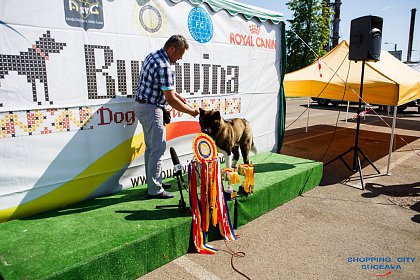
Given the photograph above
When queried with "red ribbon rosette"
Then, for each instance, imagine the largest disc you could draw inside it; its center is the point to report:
(204, 147)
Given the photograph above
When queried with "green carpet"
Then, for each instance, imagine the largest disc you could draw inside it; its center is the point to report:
(123, 236)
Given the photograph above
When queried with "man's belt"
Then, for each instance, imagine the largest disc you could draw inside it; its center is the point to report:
(143, 101)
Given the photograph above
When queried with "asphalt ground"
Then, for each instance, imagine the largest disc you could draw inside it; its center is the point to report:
(337, 230)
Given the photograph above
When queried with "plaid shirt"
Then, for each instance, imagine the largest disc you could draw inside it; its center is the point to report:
(155, 75)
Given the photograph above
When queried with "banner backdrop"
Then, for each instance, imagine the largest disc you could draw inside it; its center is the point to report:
(68, 77)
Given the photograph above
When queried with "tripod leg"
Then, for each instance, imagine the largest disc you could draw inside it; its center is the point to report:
(346, 164)
(379, 172)
(340, 157)
(183, 183)
(360, 172)
(182, 203)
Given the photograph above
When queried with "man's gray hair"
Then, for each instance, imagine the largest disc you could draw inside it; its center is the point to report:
(177, 41)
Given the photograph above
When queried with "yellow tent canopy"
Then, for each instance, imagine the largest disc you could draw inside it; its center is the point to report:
(386, 82)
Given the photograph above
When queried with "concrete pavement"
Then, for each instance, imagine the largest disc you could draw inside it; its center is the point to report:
(335, 231)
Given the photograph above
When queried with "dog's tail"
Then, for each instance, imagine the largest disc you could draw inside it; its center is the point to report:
(253, 148)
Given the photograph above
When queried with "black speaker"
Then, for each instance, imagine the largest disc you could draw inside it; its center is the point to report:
(365, 38)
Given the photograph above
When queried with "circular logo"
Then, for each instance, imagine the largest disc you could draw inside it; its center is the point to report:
(150, 18)
(204, 149)
(200, 25)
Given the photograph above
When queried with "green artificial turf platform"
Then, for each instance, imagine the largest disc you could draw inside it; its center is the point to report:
(124, 236)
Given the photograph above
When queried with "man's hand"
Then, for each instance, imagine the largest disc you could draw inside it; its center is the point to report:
(179, 103)
(195, 113)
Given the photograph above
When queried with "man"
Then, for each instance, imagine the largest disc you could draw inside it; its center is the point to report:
(156, 89)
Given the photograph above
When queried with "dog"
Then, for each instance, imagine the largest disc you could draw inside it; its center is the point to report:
(32, 63)
(229, 135)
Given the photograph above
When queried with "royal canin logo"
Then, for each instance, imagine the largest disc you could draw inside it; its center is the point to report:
(254, 29)
(253, 39)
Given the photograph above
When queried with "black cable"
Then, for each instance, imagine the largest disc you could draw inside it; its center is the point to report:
(335, 73)
(306, 109)
(338, 116)
(233, 255)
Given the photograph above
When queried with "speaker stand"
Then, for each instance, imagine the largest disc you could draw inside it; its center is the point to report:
(181, 204)
(357, 164)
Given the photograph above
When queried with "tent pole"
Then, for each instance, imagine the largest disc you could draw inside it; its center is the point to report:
(391, 141)
(307, 118)
(347, 113)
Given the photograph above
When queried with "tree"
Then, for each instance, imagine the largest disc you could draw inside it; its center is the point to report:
(309, 32)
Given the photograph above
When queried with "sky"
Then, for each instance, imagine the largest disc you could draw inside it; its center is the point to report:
(396, 16)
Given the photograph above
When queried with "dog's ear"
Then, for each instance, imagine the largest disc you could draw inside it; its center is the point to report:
(216, 115)
(201, 111)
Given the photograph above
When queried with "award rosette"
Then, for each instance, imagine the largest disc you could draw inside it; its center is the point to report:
(204, 147)
(212, 207)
